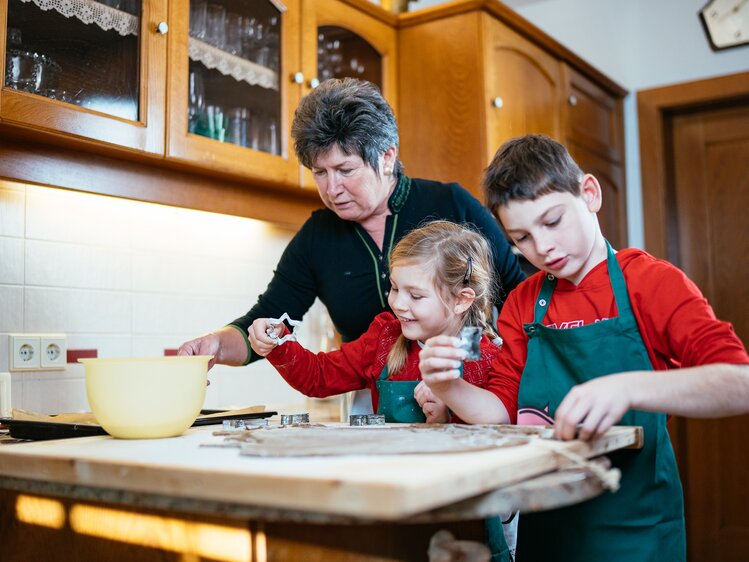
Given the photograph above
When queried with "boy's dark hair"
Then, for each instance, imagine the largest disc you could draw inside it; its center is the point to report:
(350, 114)
(527, 167)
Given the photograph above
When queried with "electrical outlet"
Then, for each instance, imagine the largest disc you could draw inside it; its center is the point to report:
(53, 350)
(25, 354)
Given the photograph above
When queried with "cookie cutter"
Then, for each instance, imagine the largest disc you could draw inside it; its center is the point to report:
(470, 341)
(366, 419)
(234, 425)
(230, 425)
(274, 330)
(290, 419)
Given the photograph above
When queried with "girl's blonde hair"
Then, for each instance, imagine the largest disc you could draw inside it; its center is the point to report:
(458, 257)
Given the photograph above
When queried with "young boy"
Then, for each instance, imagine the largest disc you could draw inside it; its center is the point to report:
(600, 337)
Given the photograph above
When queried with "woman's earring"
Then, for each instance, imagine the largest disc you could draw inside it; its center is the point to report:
(388, 171)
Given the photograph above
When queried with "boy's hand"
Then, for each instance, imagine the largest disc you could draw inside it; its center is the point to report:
(440, 360)
(260, 341)
(434, 409)
(594, 406)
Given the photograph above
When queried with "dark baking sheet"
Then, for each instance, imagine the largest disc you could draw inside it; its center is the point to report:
(42, 431)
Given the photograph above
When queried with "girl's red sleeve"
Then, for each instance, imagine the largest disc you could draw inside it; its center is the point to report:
(329, 373)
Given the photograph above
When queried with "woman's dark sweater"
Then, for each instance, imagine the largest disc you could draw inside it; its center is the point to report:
(337, 261)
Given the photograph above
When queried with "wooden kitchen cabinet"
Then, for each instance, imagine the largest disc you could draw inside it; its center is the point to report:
(86, 70)
(522, 84)
(222, 105)
(613, 213)
(474, 74)
(594, 135)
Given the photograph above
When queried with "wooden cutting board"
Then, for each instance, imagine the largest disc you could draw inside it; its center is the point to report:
(380, 486)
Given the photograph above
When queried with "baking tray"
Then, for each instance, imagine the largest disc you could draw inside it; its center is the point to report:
(42, 431)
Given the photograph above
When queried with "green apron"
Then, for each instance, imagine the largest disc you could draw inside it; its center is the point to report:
(644, 520)
(396, 400)
(397, 403)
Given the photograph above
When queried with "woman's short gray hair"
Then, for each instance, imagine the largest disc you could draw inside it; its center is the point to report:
(348, 113)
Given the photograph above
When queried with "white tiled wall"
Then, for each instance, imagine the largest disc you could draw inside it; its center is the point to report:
(131, 279)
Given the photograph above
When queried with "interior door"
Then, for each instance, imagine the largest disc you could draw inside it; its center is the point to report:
(711, 178)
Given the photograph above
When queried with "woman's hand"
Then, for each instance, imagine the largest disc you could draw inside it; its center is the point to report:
(440, 360)
(594, 406)
(209, 344)
(261, 342)
(434, 409)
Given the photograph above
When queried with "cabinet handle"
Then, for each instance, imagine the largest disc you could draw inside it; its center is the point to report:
(498, 102)
(162, 28)
(314, 83)
(572, 100)
(297, 78)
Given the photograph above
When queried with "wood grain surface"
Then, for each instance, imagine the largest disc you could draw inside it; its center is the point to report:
(380, 486)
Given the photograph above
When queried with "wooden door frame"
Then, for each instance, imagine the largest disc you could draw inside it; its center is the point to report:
(656, 108)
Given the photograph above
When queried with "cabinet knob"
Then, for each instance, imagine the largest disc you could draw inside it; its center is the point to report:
(314, 83)
(298, 78)
(572, 100)
(498, 102)
(162, 28)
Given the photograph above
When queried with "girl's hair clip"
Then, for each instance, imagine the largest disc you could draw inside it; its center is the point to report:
(469, 270)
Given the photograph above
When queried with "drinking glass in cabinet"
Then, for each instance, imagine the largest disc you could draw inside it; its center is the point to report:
(91, 59)
(196, 99)
(238, 126)
(215, 33)
(234, 63)
(198, 17)
(234, 33)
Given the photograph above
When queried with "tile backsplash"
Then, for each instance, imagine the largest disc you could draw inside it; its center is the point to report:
(131, 279)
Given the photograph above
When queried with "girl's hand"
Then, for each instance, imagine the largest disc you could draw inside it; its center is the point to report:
(592, 408)
(440, 360)
(260, 341)
(434, 409)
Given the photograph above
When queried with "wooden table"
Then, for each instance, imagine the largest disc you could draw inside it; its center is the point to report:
(108, 499)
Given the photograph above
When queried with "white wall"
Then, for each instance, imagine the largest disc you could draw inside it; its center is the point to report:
(131, 279)
(640, 44)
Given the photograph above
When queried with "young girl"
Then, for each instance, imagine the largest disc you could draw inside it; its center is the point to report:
(441, 281)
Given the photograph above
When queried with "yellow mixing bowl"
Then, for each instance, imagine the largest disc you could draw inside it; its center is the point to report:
(146, 398)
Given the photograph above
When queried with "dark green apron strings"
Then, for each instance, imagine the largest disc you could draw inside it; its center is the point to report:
(644, 520)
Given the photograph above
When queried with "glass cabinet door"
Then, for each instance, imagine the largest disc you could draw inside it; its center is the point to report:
(88, 68)
(344, 40)
(233, 81)
(78, 52)
(229, 106)
(342, 53)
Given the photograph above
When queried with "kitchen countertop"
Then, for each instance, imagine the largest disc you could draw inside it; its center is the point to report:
(180, 473)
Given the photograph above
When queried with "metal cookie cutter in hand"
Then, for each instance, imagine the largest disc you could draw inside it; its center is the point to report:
(274, 329)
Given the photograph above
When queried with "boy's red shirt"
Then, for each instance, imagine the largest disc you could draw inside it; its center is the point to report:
(677, 325)
(358, 364)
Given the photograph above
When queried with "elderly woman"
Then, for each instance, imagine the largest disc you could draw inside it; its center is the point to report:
(345, 133)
